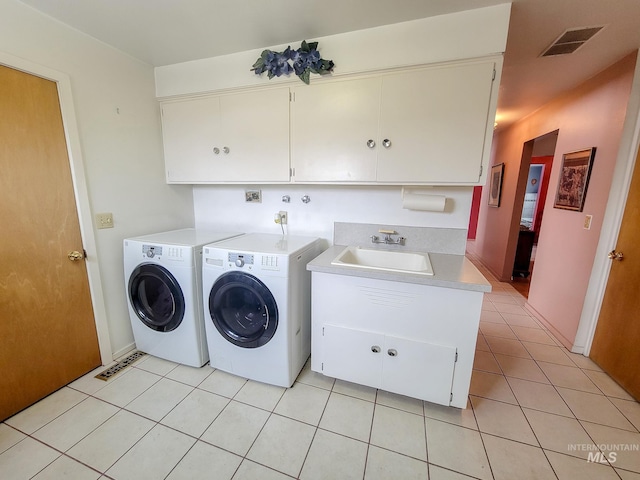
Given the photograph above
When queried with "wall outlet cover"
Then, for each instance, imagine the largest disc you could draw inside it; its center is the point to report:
(254, 196)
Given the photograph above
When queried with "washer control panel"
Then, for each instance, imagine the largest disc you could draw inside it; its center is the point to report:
(240, 259)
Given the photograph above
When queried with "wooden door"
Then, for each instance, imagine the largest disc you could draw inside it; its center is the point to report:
(616, 344)
(47, 331)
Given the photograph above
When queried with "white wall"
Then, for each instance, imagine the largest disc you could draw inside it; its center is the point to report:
(457, 36)
(121, 143)
(225, 206)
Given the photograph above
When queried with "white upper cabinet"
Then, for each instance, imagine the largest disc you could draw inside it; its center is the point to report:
(241, 137)
(425, 125)
(334, 129)
(433, 124)
(422, 126)
(190, 128)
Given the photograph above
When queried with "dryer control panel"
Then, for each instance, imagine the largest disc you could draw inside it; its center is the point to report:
(151, 250)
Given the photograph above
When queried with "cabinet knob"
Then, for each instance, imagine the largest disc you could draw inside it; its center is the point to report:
(216, 150)
(371, 143)
(225, 149)
(392, 352)
(375, 349)
(386, 143)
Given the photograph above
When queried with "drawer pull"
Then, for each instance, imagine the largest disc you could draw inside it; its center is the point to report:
(375, 349)
(392, 352)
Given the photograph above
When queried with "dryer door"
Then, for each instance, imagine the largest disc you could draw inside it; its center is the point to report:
(156, 297)
(243, 309)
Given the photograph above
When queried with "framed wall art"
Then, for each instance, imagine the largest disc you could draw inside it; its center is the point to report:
(574, 179)
(495, 185)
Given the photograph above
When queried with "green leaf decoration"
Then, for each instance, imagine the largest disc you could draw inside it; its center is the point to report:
(305, 76)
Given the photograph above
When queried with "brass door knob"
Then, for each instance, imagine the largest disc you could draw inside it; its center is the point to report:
(75, 256)
(613, 255)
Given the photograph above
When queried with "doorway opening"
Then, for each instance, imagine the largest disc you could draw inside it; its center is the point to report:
(533, 183)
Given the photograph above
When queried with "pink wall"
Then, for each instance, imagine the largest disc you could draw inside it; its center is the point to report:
(591, 115)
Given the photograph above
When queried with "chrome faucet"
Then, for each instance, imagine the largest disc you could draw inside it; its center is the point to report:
(387, 240)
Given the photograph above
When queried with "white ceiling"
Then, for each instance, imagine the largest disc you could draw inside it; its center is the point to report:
(163, 32)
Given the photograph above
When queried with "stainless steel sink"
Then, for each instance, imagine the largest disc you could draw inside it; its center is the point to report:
(390, 261)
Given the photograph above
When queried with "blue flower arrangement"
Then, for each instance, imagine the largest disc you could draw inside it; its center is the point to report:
(303, 61)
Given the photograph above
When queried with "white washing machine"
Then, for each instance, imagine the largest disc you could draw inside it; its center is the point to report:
(257, 305)
(163, 278)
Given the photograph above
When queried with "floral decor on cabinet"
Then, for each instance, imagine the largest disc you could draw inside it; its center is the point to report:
(304, 61)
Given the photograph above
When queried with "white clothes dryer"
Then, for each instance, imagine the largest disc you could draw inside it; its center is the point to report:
(257, 304)
(163, 281)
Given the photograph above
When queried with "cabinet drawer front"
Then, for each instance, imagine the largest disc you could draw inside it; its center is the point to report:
(418, 369)
(349, 354)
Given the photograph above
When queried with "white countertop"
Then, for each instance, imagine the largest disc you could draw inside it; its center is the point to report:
(450, 271)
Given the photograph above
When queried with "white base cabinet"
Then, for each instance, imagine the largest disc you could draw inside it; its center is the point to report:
(411, 339)
(399, 365)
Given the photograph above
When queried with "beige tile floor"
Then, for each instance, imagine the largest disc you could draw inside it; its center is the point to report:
(535, 412)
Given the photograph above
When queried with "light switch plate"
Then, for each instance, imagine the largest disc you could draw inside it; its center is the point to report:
(104, 220)
(587, 222)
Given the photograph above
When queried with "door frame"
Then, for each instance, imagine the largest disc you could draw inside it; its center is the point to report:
(74, 151)
(612, 220)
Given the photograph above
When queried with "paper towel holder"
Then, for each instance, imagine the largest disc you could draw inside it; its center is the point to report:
(419, 199)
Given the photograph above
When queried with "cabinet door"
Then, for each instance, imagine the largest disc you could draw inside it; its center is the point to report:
(241, 137)
(436, 120)
(331, 124)
(255, 129)
(190, 130)
(418, 369)
(352, 355)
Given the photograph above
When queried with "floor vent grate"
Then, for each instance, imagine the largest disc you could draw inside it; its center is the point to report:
(121, 365)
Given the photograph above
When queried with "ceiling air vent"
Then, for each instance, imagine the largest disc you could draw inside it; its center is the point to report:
(571, 40)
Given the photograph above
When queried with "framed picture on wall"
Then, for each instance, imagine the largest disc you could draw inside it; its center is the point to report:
(495, 185)
(574, 179)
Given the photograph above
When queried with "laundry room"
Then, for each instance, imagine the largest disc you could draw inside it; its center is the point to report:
(181, 334)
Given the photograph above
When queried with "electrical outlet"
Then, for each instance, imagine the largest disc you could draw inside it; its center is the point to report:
(284, 216)
(254, 196)
(104, 220)
(587, 222)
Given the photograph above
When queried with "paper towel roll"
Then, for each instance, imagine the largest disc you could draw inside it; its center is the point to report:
(423, 201)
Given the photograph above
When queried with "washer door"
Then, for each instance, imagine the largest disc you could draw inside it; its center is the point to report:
(156, 297)
(243, 309)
